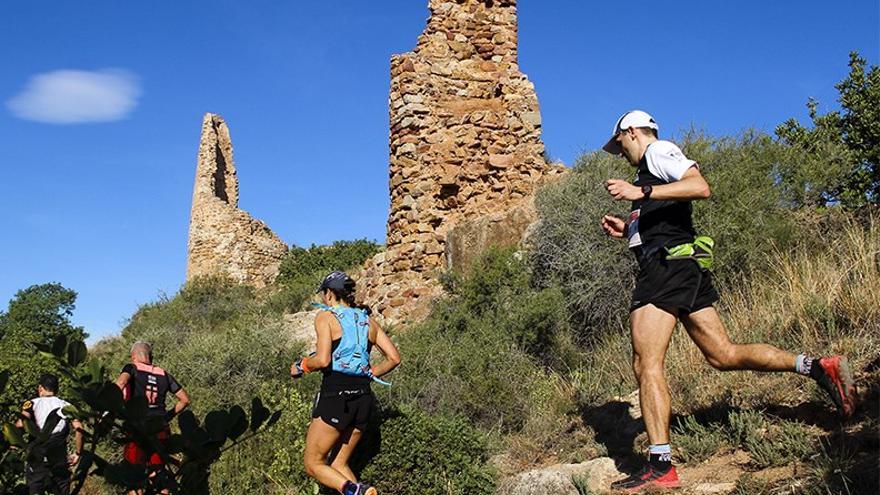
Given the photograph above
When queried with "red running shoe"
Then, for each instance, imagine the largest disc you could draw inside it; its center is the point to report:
(647, 478)
(836, 380)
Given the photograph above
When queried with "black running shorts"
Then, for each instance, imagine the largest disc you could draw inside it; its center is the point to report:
(51, 478)
(673, 285)
(344, 409)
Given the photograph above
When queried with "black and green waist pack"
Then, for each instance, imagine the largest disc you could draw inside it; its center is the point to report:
(700, 251)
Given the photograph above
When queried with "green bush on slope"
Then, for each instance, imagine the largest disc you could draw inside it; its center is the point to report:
(302, 269)
(423, 454)
(223, 348)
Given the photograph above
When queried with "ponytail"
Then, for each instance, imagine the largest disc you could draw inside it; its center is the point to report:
(347, 296)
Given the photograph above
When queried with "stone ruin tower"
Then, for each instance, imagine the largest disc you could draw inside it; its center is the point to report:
(465, 141)
(223, 239)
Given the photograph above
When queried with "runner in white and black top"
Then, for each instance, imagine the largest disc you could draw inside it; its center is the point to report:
(681, 289)
(47, 470)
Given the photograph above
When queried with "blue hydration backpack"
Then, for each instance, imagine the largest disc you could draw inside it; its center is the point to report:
(352, 356)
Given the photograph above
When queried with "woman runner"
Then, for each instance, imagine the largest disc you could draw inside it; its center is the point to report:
(344, 403)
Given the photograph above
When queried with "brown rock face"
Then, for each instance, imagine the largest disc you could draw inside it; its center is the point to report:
(467, 240)
(465, 141)
(223, 239)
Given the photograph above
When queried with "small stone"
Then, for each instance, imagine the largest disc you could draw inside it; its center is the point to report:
(501, 161)
(533, 118)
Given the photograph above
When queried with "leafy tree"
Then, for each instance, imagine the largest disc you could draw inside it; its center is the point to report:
(341, 255)
(38, 314)
(843, 147)
(302, 269)
(42, 313)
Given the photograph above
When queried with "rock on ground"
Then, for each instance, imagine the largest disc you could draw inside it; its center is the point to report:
(558, 479)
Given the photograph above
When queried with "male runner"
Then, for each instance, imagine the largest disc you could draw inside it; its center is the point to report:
(47, 470)
(141, 379)
(680, 289)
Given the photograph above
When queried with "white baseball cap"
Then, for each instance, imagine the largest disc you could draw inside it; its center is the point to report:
(633, 118)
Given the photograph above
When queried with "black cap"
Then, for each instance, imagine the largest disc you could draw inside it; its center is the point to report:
(337, 281)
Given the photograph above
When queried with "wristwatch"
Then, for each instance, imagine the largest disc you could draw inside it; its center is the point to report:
(647, 189)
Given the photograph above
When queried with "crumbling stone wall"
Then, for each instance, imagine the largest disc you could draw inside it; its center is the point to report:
(222, 238)
(465, 141)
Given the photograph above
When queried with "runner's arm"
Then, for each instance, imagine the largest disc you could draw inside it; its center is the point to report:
(613, 226)
(321, 359)
(122, 380)
(78, 439)
(182, 402)
(691, 186)
(387, 347)
(19, 423)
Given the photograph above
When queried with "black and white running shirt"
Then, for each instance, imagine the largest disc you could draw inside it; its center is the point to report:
(39, 409)
(652, 223)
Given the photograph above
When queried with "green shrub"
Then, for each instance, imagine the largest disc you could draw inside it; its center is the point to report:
(223, 349)
(769, 443)
(779, 444)
(581, 483)
(697, 442)
(570, 249)
(841, 152)
(272, 462)
(341, 255)
(424, 454)
(749, 484)
(302, 269)
(747, 214)
(36, 315)
(470, 356)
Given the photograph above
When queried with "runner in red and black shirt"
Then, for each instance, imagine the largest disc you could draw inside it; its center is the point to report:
(141, 378)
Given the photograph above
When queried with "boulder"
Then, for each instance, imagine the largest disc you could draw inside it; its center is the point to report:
(559, 479)
(300, 327)
(469, 239)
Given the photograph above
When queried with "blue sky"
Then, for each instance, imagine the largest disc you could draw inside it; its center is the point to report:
(98, 197)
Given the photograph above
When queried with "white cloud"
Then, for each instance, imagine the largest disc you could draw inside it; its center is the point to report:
(77, 96)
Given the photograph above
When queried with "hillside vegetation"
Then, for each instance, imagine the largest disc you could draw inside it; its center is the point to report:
(526, 360)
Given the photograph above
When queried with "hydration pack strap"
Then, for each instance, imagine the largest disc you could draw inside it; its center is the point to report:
(380, 381)
(701, 251)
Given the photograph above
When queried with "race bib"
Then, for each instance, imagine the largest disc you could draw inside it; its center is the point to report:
(635, 239)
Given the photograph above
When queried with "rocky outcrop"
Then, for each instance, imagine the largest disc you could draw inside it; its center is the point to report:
(467, 240)
(223, 239)
(597, 474)
(300, 327)
(465, 141)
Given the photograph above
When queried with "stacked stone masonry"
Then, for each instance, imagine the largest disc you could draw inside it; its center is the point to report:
(465, 141)
(223, 239)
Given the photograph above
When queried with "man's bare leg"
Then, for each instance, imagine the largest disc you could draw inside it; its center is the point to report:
(708, 333)
(651, 332)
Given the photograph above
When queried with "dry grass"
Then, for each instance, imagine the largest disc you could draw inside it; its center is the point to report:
(819, 301)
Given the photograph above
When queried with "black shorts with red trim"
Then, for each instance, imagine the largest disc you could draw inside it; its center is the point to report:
(342, 409)
(679, 286)
(142, 455)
